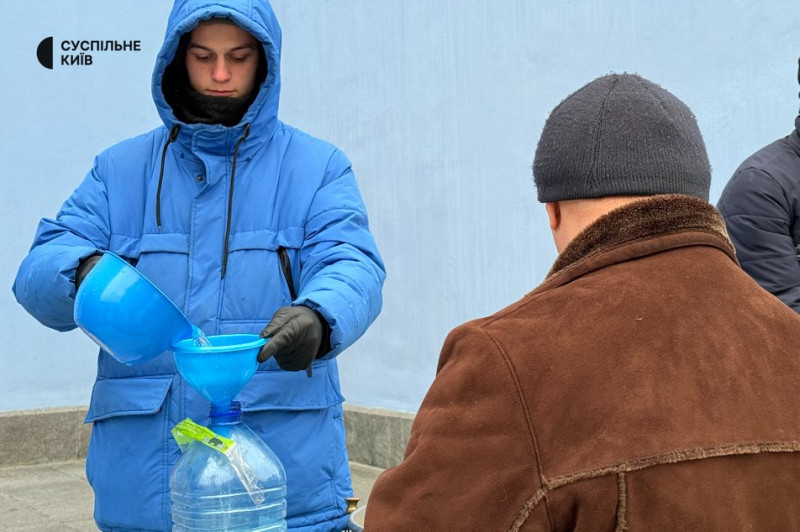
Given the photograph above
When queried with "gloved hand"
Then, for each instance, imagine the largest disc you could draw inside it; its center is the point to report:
(296, 337)
(84, 267)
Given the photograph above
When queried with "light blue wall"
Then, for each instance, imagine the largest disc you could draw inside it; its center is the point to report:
(438, 103)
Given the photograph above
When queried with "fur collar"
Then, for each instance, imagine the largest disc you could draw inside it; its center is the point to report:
(649, 217)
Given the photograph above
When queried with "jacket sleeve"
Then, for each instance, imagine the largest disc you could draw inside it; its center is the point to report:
(45, 282)
(760, 222)
(342, 272)
(470, 463)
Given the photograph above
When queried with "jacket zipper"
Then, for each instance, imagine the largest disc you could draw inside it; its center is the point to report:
(286, 268)
(224, 268)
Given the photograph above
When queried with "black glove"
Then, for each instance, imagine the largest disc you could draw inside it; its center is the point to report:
(84, 267)
(297, 335)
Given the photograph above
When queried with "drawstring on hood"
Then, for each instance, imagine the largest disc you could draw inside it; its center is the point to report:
(173, 135)
(230, 201)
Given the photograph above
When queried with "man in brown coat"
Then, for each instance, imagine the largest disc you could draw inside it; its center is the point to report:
(647, 384)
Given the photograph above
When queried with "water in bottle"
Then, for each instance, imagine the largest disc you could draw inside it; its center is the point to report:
(218, 486)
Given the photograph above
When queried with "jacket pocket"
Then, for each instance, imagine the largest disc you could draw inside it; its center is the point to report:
(164, 259)
(293, 390)
(134, 396)
(255, 281)
(300, 418)
(129, 453)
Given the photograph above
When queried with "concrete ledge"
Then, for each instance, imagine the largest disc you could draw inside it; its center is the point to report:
(44, 435)
(375, 437)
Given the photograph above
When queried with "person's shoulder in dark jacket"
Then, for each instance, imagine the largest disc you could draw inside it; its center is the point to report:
(761, 205)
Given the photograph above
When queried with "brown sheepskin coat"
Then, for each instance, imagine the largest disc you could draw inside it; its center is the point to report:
(647, 384)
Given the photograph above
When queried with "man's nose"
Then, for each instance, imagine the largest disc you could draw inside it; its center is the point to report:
(221, 71)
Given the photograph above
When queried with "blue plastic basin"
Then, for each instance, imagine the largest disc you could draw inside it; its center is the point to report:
(219, 371)
(126, 314)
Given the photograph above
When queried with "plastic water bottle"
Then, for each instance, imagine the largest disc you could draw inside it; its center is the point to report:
(212, 490)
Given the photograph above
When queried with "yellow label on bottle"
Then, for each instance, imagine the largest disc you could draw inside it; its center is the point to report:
(188, 431)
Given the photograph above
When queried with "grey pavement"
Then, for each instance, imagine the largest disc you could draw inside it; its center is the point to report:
(56, 496)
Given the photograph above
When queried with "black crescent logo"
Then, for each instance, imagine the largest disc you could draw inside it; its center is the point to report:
(45, 52)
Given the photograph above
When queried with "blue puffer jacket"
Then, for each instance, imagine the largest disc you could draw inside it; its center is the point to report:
(163, 200)
(761, 207)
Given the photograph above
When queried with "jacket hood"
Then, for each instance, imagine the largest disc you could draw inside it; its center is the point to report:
(254, 16)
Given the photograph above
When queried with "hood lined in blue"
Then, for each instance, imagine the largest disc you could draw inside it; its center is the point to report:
(254, 16)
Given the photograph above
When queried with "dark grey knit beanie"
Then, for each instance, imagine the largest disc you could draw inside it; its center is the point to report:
(620, 135)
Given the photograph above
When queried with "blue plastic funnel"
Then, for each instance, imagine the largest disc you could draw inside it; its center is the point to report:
(219, 371)
(126, 314)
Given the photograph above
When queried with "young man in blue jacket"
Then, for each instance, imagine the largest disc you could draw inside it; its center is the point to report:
(248, 225)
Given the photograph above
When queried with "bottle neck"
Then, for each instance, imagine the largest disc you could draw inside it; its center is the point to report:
(230, 414)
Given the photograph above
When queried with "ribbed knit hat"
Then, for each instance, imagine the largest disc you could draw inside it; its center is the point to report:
(620, 135)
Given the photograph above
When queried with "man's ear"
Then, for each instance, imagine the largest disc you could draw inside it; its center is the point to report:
(553, 214)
